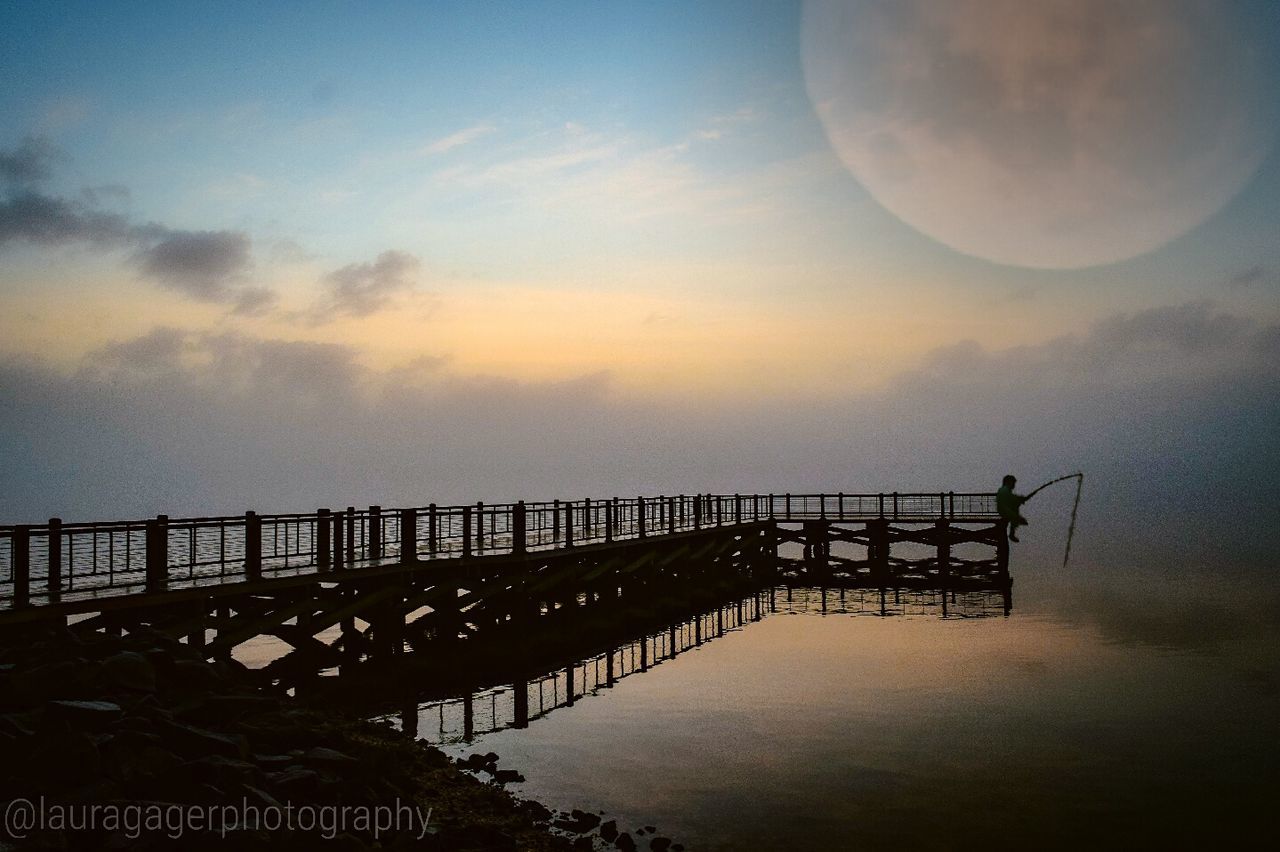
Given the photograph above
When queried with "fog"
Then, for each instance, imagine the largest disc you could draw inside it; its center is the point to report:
(1169, 412)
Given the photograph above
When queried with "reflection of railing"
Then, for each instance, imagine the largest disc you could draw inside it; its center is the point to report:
(462, 718)
(40, 563)
(880, 601)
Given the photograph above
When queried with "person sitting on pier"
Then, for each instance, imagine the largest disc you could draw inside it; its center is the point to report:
(1008, 505)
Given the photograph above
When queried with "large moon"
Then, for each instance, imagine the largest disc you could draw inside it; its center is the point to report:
(1044, 133)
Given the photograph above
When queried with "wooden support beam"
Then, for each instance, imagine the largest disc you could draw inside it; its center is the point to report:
(943, 532)
(1002, 547)
(878, 547)
(248, 624)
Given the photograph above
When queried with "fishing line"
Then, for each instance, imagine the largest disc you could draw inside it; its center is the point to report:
(1075, 507)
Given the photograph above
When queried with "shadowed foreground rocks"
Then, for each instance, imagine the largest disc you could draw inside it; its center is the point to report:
(140, 725)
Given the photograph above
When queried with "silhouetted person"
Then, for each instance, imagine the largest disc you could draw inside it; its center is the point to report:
(1008, 505)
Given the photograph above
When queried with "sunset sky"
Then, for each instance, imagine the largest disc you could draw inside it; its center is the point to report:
(284, 254)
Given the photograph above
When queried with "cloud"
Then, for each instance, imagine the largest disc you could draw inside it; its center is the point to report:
(44, 220)
(205, 265)
(721, 125)
(1252, 277)
(108, 192)
(157, 351)
(610, 176)
(253, 301)
(29, 215)
(456, 140)
(239, 187)
(29, 163)
(360, 289)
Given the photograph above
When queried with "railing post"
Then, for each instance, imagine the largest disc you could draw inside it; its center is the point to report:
(157, 553)
(519, 541)
(608, 520)
(408, 535)
(640, 518)
(882, 504)
(697, 512)
(375, 532)
(737, 508)
(771, 507)
(520, 690)
(588, 527)
(568, 523)
(339, 550)
(433, 530)
(20, 552)
(895, 505)
(55, 560)
(840, 505)
(788, 505)
(951, 501)
(479, 526)
(671, 515)
(351, 535)
(466, 532)
(252, 546)
(324, 526)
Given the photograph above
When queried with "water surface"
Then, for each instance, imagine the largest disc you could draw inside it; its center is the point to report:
(1102, 713)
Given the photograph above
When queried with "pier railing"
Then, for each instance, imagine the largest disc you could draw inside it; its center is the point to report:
(43, 563)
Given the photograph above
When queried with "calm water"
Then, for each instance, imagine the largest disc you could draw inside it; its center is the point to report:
(1126, 714)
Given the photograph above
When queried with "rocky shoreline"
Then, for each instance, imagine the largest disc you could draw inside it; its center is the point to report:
(137, 742)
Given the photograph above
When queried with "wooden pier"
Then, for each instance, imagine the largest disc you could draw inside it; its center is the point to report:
(342, 586)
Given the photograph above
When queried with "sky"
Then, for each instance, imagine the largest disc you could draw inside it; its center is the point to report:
(285, 255)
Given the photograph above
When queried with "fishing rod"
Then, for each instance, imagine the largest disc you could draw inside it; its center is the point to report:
(1075, 507)
(1079, 476)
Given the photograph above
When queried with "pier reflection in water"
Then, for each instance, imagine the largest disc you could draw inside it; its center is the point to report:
(462, 718)
(825, 725)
